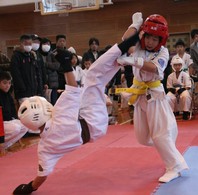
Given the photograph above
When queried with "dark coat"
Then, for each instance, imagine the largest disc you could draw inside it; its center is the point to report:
(23, 70)
(52, 66)
(40, 73)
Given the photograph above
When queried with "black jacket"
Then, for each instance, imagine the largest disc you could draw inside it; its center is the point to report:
(40, 72)
(8, 107)
(23, 70)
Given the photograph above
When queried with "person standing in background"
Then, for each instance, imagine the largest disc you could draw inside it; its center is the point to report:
(194, 51)
(23, 70)
(93, 52)
(40, 67)
(187, 61)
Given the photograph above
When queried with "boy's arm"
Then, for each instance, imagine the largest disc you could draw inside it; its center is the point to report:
(137, 21)
(64, 58)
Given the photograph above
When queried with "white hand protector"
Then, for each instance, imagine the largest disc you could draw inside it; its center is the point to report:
(123, 60)
(137, 20)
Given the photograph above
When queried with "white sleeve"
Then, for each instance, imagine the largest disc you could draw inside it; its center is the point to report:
(190, 61)
(169, 82)
(83, 77)
(187, 81)
(161, 60)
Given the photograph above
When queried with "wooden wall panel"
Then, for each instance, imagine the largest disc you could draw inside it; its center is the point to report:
(107, 24)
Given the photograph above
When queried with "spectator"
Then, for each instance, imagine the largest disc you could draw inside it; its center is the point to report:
(194, 50)
(77, 70)
(23, 70)
(52, 66)
(178, 84)
(87, 64)
(40, 67)
(93, 52)
(14, 129)
(180, 50)
(60, 44)
(168, 70)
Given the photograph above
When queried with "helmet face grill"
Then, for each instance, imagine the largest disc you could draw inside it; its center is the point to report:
(35, 112)
(35, 117)
(23, 110)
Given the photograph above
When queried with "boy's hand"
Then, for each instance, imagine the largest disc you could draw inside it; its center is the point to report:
(64, 58)
(24, 189)
(137, 20)
(180, 91)
(172, 90)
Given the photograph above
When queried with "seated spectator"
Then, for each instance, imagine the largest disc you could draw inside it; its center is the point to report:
(13, 128)
(178, 84)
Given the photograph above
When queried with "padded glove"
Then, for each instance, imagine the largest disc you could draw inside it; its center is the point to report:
(137, 20)
(172, 90)
(181, 90)
(24, 189)
(64, 58)
(124, 60)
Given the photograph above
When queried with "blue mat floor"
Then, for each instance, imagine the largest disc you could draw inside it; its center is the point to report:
(187, 184)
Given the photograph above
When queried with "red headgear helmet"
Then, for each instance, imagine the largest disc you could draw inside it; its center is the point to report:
(155, 25)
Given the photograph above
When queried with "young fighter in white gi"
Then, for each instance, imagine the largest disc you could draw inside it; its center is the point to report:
(178, 84)
(74, 113)
(154, 120)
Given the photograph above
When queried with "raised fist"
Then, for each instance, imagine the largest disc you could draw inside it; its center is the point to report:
(137, 20)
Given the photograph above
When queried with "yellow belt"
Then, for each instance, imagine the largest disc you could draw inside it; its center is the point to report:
(141, 89)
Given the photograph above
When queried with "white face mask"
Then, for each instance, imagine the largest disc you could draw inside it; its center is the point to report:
(35, 46)
(46, 48)
(27, 48)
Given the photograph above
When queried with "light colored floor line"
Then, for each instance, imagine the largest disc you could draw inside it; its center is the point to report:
(128, 121)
